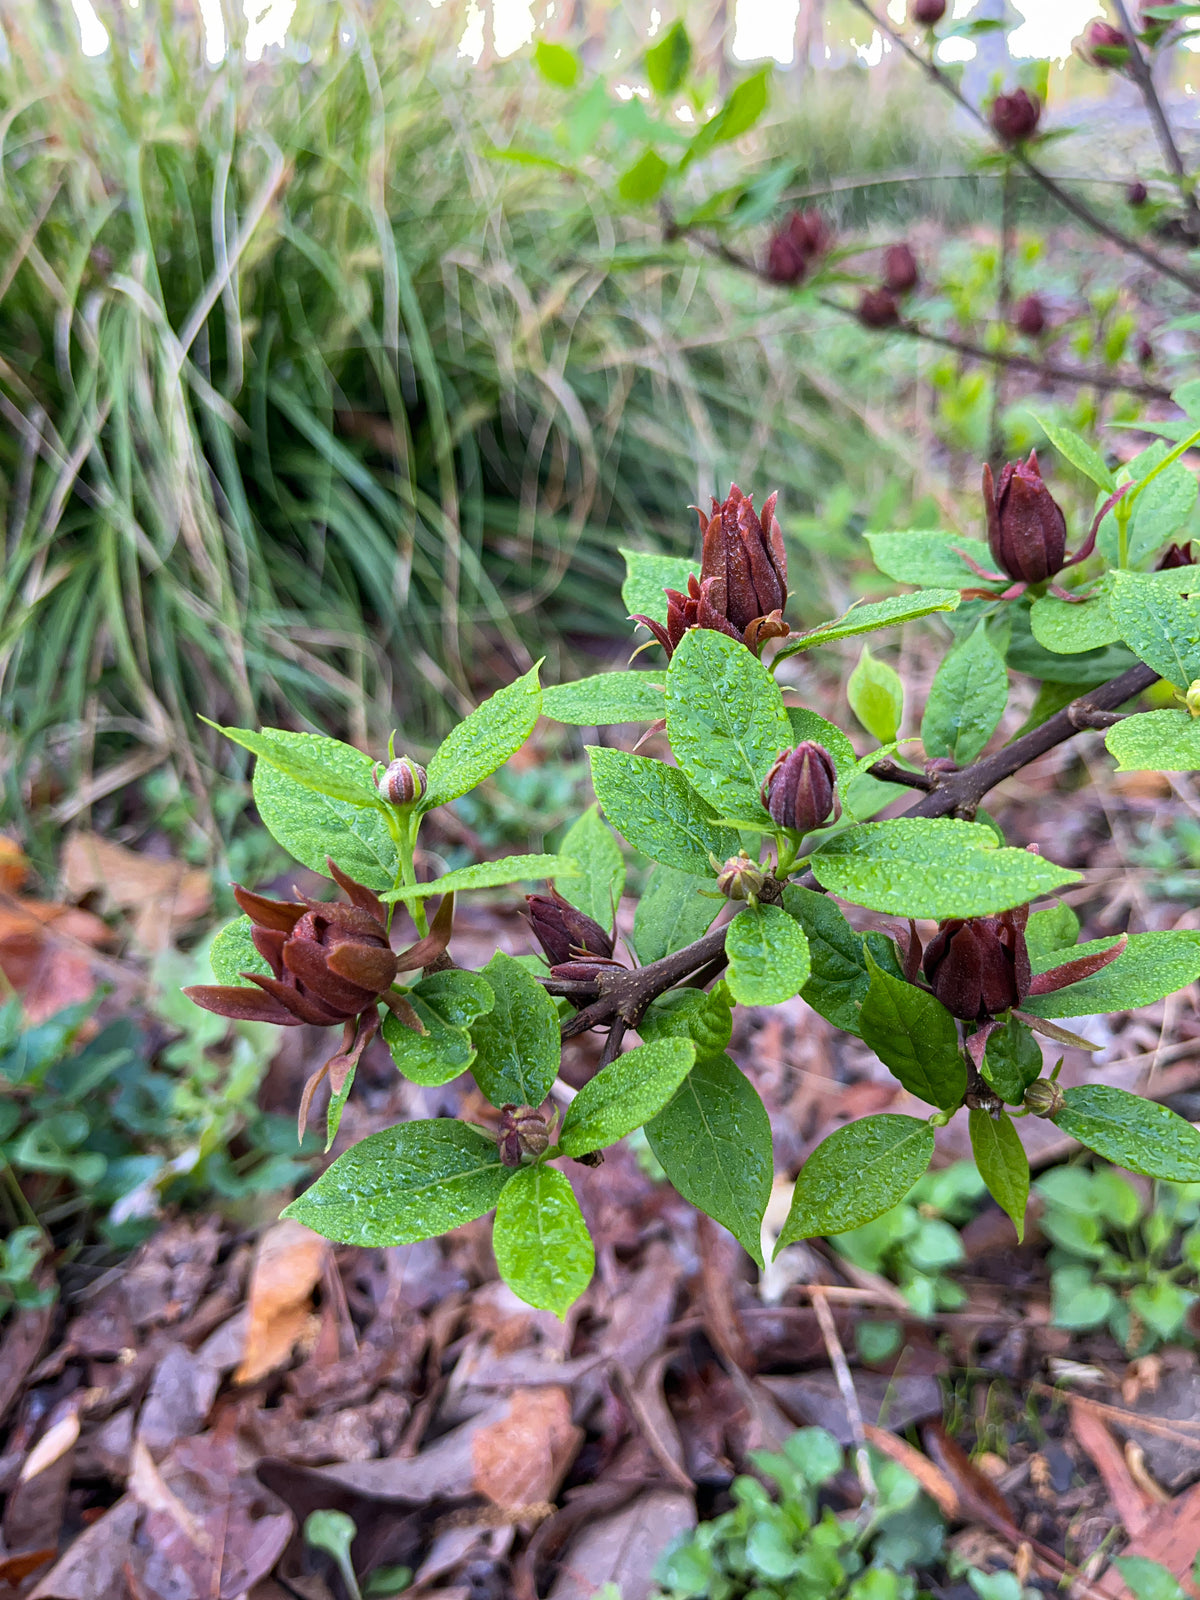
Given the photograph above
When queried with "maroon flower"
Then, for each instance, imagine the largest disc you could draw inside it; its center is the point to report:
(1029, 316)
(1027, 532)
(1015, 116)
(564, 932)
(900, 271)
(1136, 193)
(803, 237)
(800, 791)
(1104, 46)
(928, 13)
(330, 963)
(1176, 555)
(877, 308)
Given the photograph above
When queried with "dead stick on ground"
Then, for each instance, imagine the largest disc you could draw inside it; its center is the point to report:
(845, 1383)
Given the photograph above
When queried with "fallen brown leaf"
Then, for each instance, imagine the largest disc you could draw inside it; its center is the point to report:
(931, 1478)
(521, 1459)
(164, 895)
(287, 1267)
(622, 1549)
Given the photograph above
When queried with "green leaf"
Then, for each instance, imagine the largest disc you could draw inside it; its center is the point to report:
(929, 558)
(915, 1037)
(643, 181)
(648, 575)
(232, 952)
(1145, 1579)
(605, 699)
(890, 613)
(598, 889)
(1131, 1132)
(489, 875)
(840, 980)
(713, 1140)
(337, 1104)
(1056, 928)
(1002, 1162)
(667, 62)
(1012, 1060)
(311, 826)
(1077, 451)
(1151, 966)
(403, 1184)
(543, 1248)
(705, 1019)
(326, 766)
(626, 1093)
(658, 812)
(737, 116)
(966, 699)
(483, 742)
(1160, 510)
(1069, 627)
(447, 1003)
(876, 696)
(1162, 628)
(808, 725)
(768, 956)
(725, 720)
(1156, 741)
(932, 867)
(556, 63)
(672, 913)
(1078, 1301)
(857, 1174)
(517, 1042)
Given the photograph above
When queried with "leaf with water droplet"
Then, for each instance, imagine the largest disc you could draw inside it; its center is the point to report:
(1131, 1132)
(857, 1174)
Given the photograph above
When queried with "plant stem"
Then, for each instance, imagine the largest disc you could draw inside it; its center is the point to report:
(1143, 75)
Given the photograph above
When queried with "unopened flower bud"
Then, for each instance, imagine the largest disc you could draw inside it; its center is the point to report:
(523, 1132)
(1044, 1098)
(877, 308)
(740, 878)
(900, 271)
(800, 791)
(1029, 316)
(803, 237)
(928, 13)
(1104, 46)
(1176, 555)
(1015, 116)
(978, 966)
(403, 782)
(1192, 698)
(563, 931)
(1136, 194)
(1144, 352)
(1027, 532)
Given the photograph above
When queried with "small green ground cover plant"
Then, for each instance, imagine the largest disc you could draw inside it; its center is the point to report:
(763, 807)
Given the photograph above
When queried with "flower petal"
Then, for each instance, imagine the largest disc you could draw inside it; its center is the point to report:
(308, 963)
(303, 1007)
(282, 914)
(435, 941)
(1074, 971)
(366, 899)
(362, 964)
(244, 1005)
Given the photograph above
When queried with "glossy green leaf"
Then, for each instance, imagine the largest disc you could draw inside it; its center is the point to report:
(556, 63)
(601, 882)
(1082, 456)
(741, 111)
(543, 1248)
(932, 867)
(232, 952)
(1131, 1132)
(857, 1174)
(1160, 511)
(406, 1183)
(489, 875)
(1071, 626)
(808, 725)
(672, 912)
(1151, 966)
(326, 766)
(1156, 741)
(839, 980)
(643, 181)
(725, 720)
(310, 826)
(713, 1140)
(915, 1037)
(625, 1094)
(767, 954)
(966, 699)
(704, 1018)
(517, 1042)
(648, 575)
(447, 1003)
(869, 616)
(668, 60)
(605, 699)
(1161, 627)
(1002, 1162)
(1012, 1060)
(483, 742)
(929, 558)
(657, 811)
(1053, 929)
(876, 696)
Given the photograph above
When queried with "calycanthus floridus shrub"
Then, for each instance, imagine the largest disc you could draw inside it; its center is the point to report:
(757, 811)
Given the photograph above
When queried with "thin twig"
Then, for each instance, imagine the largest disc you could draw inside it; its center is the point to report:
(889, 771)
(1078, 208)
(845, 1383)
(1143, 74)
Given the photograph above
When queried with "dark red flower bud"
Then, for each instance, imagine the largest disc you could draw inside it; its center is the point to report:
(800, 791)
(1136, 193)
(1145, 352)
(523, 1132)
(1015, 116)
(878, 309)
(927, 13)
(403, 782)
(1029, 316)
(900, 272)
(803, 237)
(1176, 555)
(979, 966)
(564, 932)
(1104, 46)
(1027, 532)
